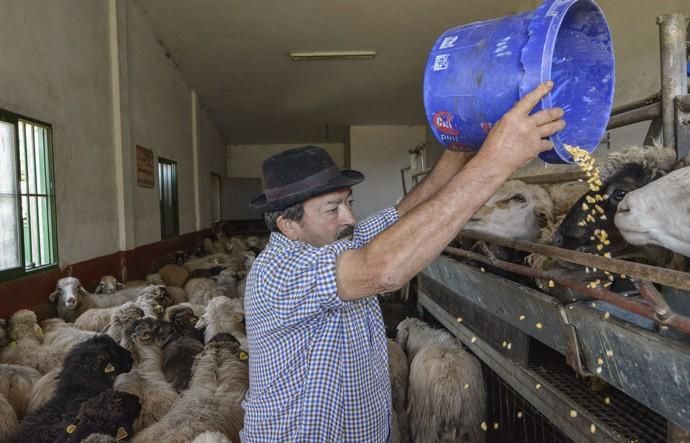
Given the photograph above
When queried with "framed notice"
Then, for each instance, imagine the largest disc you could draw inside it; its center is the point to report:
(144, 167)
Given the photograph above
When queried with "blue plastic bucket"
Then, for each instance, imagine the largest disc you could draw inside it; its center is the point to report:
(475, 74)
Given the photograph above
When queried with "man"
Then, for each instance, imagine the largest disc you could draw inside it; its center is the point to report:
(317, 346)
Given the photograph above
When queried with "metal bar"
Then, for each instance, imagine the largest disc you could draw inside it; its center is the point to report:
(668, 277)
(600, 294)
(552, 178)
(647, 112)
(682, 126)
(674, 77)
(656, 98)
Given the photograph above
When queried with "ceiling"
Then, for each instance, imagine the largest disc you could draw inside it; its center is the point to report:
(235, 55)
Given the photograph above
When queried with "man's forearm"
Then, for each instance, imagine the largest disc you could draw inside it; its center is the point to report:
(446, 167)
(419, 236)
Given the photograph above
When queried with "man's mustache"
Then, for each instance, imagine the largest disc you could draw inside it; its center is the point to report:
(345, 232)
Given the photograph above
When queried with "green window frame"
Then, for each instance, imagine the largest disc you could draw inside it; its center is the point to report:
(167, 189)
(27, 197)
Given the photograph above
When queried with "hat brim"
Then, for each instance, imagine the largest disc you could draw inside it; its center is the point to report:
(345, 179)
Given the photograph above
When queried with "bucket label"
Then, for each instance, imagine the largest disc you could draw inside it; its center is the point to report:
(441, 62)
(443, 121)
(448, 42)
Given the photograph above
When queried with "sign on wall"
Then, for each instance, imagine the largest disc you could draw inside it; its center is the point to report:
(144, 167)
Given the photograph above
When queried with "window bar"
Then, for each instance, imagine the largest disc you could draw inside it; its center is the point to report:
(37, 256)
(51, 200)
(48, 190)
(23, 147)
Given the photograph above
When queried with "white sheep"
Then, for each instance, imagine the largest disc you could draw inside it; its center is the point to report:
(398, 368)
(196, 286)
(44, 390)
(152, 300)
(212, 402)
(414, 334)
(16, 385)
(211, 437)
(108, 285)
(122, 319)
(146, 380)
(516, 211)
(155, 279)
(27, 346)
(63, 336)
(222, 316)
(8, 419)
(446, 396)
(72, 299)
(658, 213)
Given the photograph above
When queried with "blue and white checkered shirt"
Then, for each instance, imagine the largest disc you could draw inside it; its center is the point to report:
(318, 365)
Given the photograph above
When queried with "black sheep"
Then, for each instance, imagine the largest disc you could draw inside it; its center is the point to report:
(181, 342)
(110, 413)
(89, 369)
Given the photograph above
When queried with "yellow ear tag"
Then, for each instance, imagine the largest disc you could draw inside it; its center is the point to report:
(71, 428)
(244, 356)
(39, 331)
(236, 317)
(108, 369)
(13, 343)
(121, 434)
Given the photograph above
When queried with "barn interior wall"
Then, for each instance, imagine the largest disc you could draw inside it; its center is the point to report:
(59, 69)
(379, 152)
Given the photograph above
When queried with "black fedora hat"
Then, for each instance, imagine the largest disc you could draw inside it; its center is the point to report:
(298, 174)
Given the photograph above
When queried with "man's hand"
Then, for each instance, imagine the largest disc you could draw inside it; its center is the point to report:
(519, 137)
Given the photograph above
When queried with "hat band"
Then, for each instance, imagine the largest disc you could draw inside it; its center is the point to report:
(302, 185)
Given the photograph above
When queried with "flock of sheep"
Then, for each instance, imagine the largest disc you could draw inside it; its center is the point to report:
(164, 359)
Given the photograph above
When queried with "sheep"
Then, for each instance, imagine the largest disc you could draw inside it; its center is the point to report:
(63, 336)
(181, 342)
(564, 195)
(110, 413)
(221, 316)
(147, 380)
(16, 385)
(212, 402)
(174, 275)
(122, 319)
(178, 295)
(89, 369)
(398, 369)
(414, 334)
(108, 285)
(216, 260)
(8, 419)
(198, 310)
(152, 300)
(27, 347)
(44, 390)
(72, 299)
(211, 437)
(657, 213)
(515, 211)
(4, 335)
(155, 279)
(196, 286)
(446, 396)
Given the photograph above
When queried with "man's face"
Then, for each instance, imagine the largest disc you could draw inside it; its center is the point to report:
(327, 218)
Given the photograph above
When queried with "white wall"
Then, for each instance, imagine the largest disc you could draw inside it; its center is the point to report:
(57, 68)
(247, 160)
(379, 152)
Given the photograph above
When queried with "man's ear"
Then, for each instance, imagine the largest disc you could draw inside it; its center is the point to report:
(290, 228)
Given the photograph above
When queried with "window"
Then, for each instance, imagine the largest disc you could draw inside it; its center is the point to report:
(216, 197)
(167, 184)
(28, 233)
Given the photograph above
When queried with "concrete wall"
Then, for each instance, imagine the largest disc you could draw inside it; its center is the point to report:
(57, 67)
(246, 160)
(379, 152)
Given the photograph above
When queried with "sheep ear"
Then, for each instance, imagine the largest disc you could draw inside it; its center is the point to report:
(202, 322)
(53, 295)
(99, 288)
(82, 290)
(119, 285)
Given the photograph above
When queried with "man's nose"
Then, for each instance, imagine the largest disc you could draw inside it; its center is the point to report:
(347, 218)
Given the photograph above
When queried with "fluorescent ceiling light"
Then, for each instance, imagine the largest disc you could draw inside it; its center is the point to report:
(333, 55)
